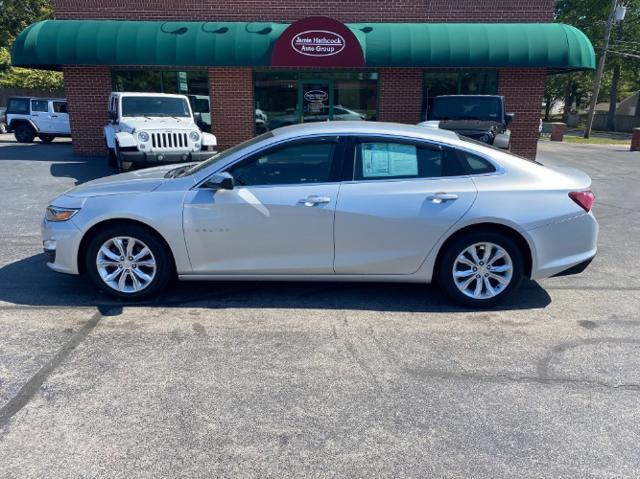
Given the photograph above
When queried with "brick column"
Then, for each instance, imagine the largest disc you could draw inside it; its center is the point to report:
(523, 90)
(400, 95)
(232, 105)
(87, 90)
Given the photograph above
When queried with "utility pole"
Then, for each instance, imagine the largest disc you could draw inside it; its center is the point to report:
(600, 71)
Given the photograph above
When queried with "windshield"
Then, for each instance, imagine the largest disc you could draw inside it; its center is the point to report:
(465, 108)
(224, 154)
(155, 106)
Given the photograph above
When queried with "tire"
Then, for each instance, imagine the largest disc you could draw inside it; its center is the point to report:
(151, 278)
(503, 273)
(46, 138)
(24, 133)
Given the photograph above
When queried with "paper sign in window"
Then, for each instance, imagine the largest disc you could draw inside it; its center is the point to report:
(389, 160)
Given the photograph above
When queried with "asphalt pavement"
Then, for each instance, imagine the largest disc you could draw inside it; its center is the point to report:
(317, 380)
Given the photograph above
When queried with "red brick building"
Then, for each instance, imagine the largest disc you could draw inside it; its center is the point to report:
(222, 54)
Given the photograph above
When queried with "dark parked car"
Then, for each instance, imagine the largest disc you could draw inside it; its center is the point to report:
(481, 117)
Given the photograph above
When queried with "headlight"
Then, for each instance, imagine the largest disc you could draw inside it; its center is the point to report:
(143, 136)
(59, 214)
(194, 136)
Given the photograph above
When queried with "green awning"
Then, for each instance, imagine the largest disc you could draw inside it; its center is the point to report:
(51, 44)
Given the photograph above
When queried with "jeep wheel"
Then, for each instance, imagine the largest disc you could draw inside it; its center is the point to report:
(121, 168)
(24, 133)
(46, 138)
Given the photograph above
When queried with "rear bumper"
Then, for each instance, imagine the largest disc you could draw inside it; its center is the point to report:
(565, 247)
(156, 159)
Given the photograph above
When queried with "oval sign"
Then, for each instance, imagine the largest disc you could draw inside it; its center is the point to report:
(316, 96)
(318, 43)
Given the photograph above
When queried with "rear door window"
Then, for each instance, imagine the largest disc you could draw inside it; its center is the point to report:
(386, 160)
(60, 107)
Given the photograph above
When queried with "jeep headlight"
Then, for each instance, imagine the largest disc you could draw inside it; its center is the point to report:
(143, 136)
(60, 214)
(194, 135)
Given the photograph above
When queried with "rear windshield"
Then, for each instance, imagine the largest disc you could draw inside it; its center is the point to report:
(501, 150)
(465, 108)
(155, 106)
(18, 105)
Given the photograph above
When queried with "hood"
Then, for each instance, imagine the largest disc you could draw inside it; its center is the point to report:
(156, 122)
(471, 126)
(139, 181)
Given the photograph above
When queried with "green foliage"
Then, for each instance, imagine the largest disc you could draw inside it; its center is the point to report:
(590, 16)
(15, 16)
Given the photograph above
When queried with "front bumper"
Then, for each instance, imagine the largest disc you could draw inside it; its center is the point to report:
(61, 240)
(564, 247)
(160, 158)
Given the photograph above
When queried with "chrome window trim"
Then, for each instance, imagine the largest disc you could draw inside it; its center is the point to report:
(500, 170)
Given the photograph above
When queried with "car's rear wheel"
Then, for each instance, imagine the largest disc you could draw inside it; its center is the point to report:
(46, 138)
(481, 269)
(129, 262)
(24, 133)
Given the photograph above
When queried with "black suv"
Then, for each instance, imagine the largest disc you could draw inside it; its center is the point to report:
(481, 117)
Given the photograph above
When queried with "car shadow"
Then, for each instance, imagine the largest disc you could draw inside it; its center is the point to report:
(63, 163)
(29, 282)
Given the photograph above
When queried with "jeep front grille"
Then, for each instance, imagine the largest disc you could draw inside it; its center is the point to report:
(169, 141)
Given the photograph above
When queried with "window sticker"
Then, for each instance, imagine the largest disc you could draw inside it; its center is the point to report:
(389, 160)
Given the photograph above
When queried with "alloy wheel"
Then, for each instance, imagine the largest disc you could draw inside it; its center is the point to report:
(482, 270)
(126, 264)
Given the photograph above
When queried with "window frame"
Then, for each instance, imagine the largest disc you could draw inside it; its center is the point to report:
(34, 100)
(336, 160)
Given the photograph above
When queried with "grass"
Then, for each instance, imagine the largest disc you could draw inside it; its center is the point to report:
(594, 140)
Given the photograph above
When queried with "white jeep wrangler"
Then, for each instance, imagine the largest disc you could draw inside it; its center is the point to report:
(148, 129)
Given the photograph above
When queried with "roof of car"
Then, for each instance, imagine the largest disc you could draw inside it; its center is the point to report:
(135, 93)
(38, 98)
(366, 127)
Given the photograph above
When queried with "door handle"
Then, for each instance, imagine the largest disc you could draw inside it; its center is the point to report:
(54, 116)
(313, 200)
(442, 197)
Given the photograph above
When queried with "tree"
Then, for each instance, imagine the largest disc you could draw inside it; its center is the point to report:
(622, 73)
(15, 16)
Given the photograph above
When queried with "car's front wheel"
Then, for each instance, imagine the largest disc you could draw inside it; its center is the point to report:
(481, 269)
(129, 262)
(24, 133)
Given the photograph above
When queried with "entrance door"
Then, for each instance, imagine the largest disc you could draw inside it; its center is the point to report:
(316, 100)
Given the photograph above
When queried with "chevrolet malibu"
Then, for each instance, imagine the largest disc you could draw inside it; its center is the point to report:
(331, 201)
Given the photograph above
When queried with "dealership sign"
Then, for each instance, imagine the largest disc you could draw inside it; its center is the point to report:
(317, 41)
(316, 96)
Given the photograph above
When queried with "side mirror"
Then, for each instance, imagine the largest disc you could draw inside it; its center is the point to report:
(508, 117)
(113, 116)
(221, 181)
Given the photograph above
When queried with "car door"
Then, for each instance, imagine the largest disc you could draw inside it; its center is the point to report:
(404, 196)
(60, 118)
(277, 220)
(40, 115)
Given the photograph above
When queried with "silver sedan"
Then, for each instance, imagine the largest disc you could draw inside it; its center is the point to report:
(334, 201)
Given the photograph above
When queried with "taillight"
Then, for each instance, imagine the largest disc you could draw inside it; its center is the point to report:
(584, 199)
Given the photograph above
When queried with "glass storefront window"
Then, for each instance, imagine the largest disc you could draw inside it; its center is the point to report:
(457, 83)
(193, 84)
(286, 98)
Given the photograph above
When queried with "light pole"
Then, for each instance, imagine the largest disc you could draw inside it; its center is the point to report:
(600, 71)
